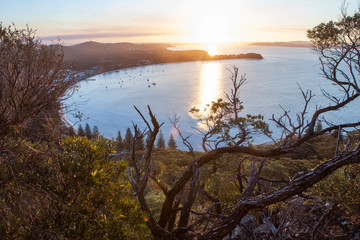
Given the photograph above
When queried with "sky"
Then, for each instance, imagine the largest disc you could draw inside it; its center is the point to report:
(169, 21)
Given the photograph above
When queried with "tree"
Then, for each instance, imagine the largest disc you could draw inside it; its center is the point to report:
(56, 187)
(140, 144)
(128, 140)
(119, 142)
(81, 131)
(88, 132)
(160, 141)
(33, 78)
(95, 132)
(172, 144)
(71, 131)
(226, 131)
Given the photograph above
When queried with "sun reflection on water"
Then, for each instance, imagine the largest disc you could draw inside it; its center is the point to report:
(210, 84)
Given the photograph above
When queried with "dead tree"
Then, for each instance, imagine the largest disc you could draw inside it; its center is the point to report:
(338, 48)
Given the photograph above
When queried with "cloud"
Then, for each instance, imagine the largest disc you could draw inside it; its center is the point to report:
(101, 35)
(281, 29)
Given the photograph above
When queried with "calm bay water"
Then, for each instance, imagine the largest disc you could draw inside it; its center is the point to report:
(107, 99)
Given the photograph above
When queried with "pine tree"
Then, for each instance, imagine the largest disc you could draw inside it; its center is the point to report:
(128, 139)
(172, 144)
(81, 131)
(140, 144)
(95, 132)
(88, 132)
(161, 141)
(119, 142)
(71, 131)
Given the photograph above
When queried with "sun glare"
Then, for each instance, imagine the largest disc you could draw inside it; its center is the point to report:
(212, 49)
(211, 30)
(210, 84)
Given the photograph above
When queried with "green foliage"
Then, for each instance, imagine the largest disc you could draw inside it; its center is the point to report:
(25, 203)
(100, 203)
(332, 33)
(169, 156)
(218, 119)
(222, 187)
(278, 169)
(222, 182)
(294, 166)
(67, 191)
(170, 164)
(342, 187)
(155, 200)
(324, 145)
(325, 34)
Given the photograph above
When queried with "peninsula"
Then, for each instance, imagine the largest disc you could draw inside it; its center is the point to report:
(103, 57)
(302, 44)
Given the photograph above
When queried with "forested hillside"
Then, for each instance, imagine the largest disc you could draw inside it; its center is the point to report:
(110, 56)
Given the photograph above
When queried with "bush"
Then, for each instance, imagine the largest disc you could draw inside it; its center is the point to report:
(68, 191)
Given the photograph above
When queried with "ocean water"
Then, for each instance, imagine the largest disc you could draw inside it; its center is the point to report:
(107, 100)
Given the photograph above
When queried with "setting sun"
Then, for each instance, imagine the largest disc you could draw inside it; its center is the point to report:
(212, 29)
(212, 49)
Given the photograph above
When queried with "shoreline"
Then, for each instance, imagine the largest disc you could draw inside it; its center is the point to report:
(88, 73)
(93, 72)
(65, 120)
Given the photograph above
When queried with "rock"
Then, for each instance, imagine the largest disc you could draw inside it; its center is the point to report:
(228, 237)
(245, 230)
(262, 230)
(236, 232)
(249, 222)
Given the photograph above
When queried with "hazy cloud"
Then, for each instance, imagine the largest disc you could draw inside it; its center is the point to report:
(100, 35)
(282, 29)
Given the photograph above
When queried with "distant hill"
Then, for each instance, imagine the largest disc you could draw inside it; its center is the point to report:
(104, 57)
(109, 55)
(283, 44)
(114, 48)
